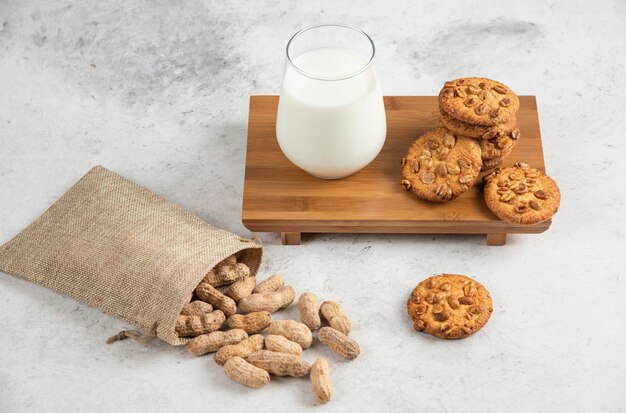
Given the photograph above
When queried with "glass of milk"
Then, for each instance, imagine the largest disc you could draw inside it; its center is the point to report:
(331, 116)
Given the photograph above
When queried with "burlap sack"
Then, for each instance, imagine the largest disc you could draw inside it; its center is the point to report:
(119, 247)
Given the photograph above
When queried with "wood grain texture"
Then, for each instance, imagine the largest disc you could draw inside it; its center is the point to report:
(280, 197)
(290, 238)
(495, 238)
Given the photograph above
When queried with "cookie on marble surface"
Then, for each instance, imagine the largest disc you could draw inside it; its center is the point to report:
(478, 101)
(521, 194)
(474, 131)
(449, 306)
(440, 166)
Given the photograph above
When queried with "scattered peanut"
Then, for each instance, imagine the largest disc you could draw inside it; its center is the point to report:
(239, 370)
(242, 270)
(336, 317)
(269, 285)
(251, 323)
(242, 349)
(206, 292)
(282, 344)
(310, 311)
(288, 294)
(197, 307)
(280, 364)
(339, 342)
(208, 343)
(224, 274)
(244, 358)
(272, 301)
(220, 275)
(293, 331)
(320, 380)
(195, 325)
(241, 288)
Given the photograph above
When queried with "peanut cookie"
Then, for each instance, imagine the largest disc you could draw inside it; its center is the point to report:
(474, 131)
(496, 149)
(492, 163)
(521, 194)
(449, 306)
(478, 101)
(440, 166)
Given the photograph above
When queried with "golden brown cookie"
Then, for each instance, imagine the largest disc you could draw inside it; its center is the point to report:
(478, 101)
(492, 163)
(449, 306)
(440, 166)
(500, 145)
(521, 194)
(474, 131)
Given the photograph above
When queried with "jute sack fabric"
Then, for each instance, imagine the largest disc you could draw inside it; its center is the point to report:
(123, 249)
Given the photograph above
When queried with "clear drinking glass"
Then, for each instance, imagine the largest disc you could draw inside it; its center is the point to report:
(331, 116)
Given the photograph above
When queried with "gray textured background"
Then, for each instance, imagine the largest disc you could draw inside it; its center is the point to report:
(158, 91)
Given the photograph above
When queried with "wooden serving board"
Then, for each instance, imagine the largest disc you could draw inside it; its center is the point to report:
(280, 197)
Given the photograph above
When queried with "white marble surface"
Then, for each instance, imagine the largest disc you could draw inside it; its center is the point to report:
(158, 91)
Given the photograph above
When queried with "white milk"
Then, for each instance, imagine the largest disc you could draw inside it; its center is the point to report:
(331, 128)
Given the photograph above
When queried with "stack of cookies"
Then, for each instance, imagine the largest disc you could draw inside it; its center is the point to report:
(482, 109)
(479, 131)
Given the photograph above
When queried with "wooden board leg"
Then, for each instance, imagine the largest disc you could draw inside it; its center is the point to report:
(290, 238)
(496, 239)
